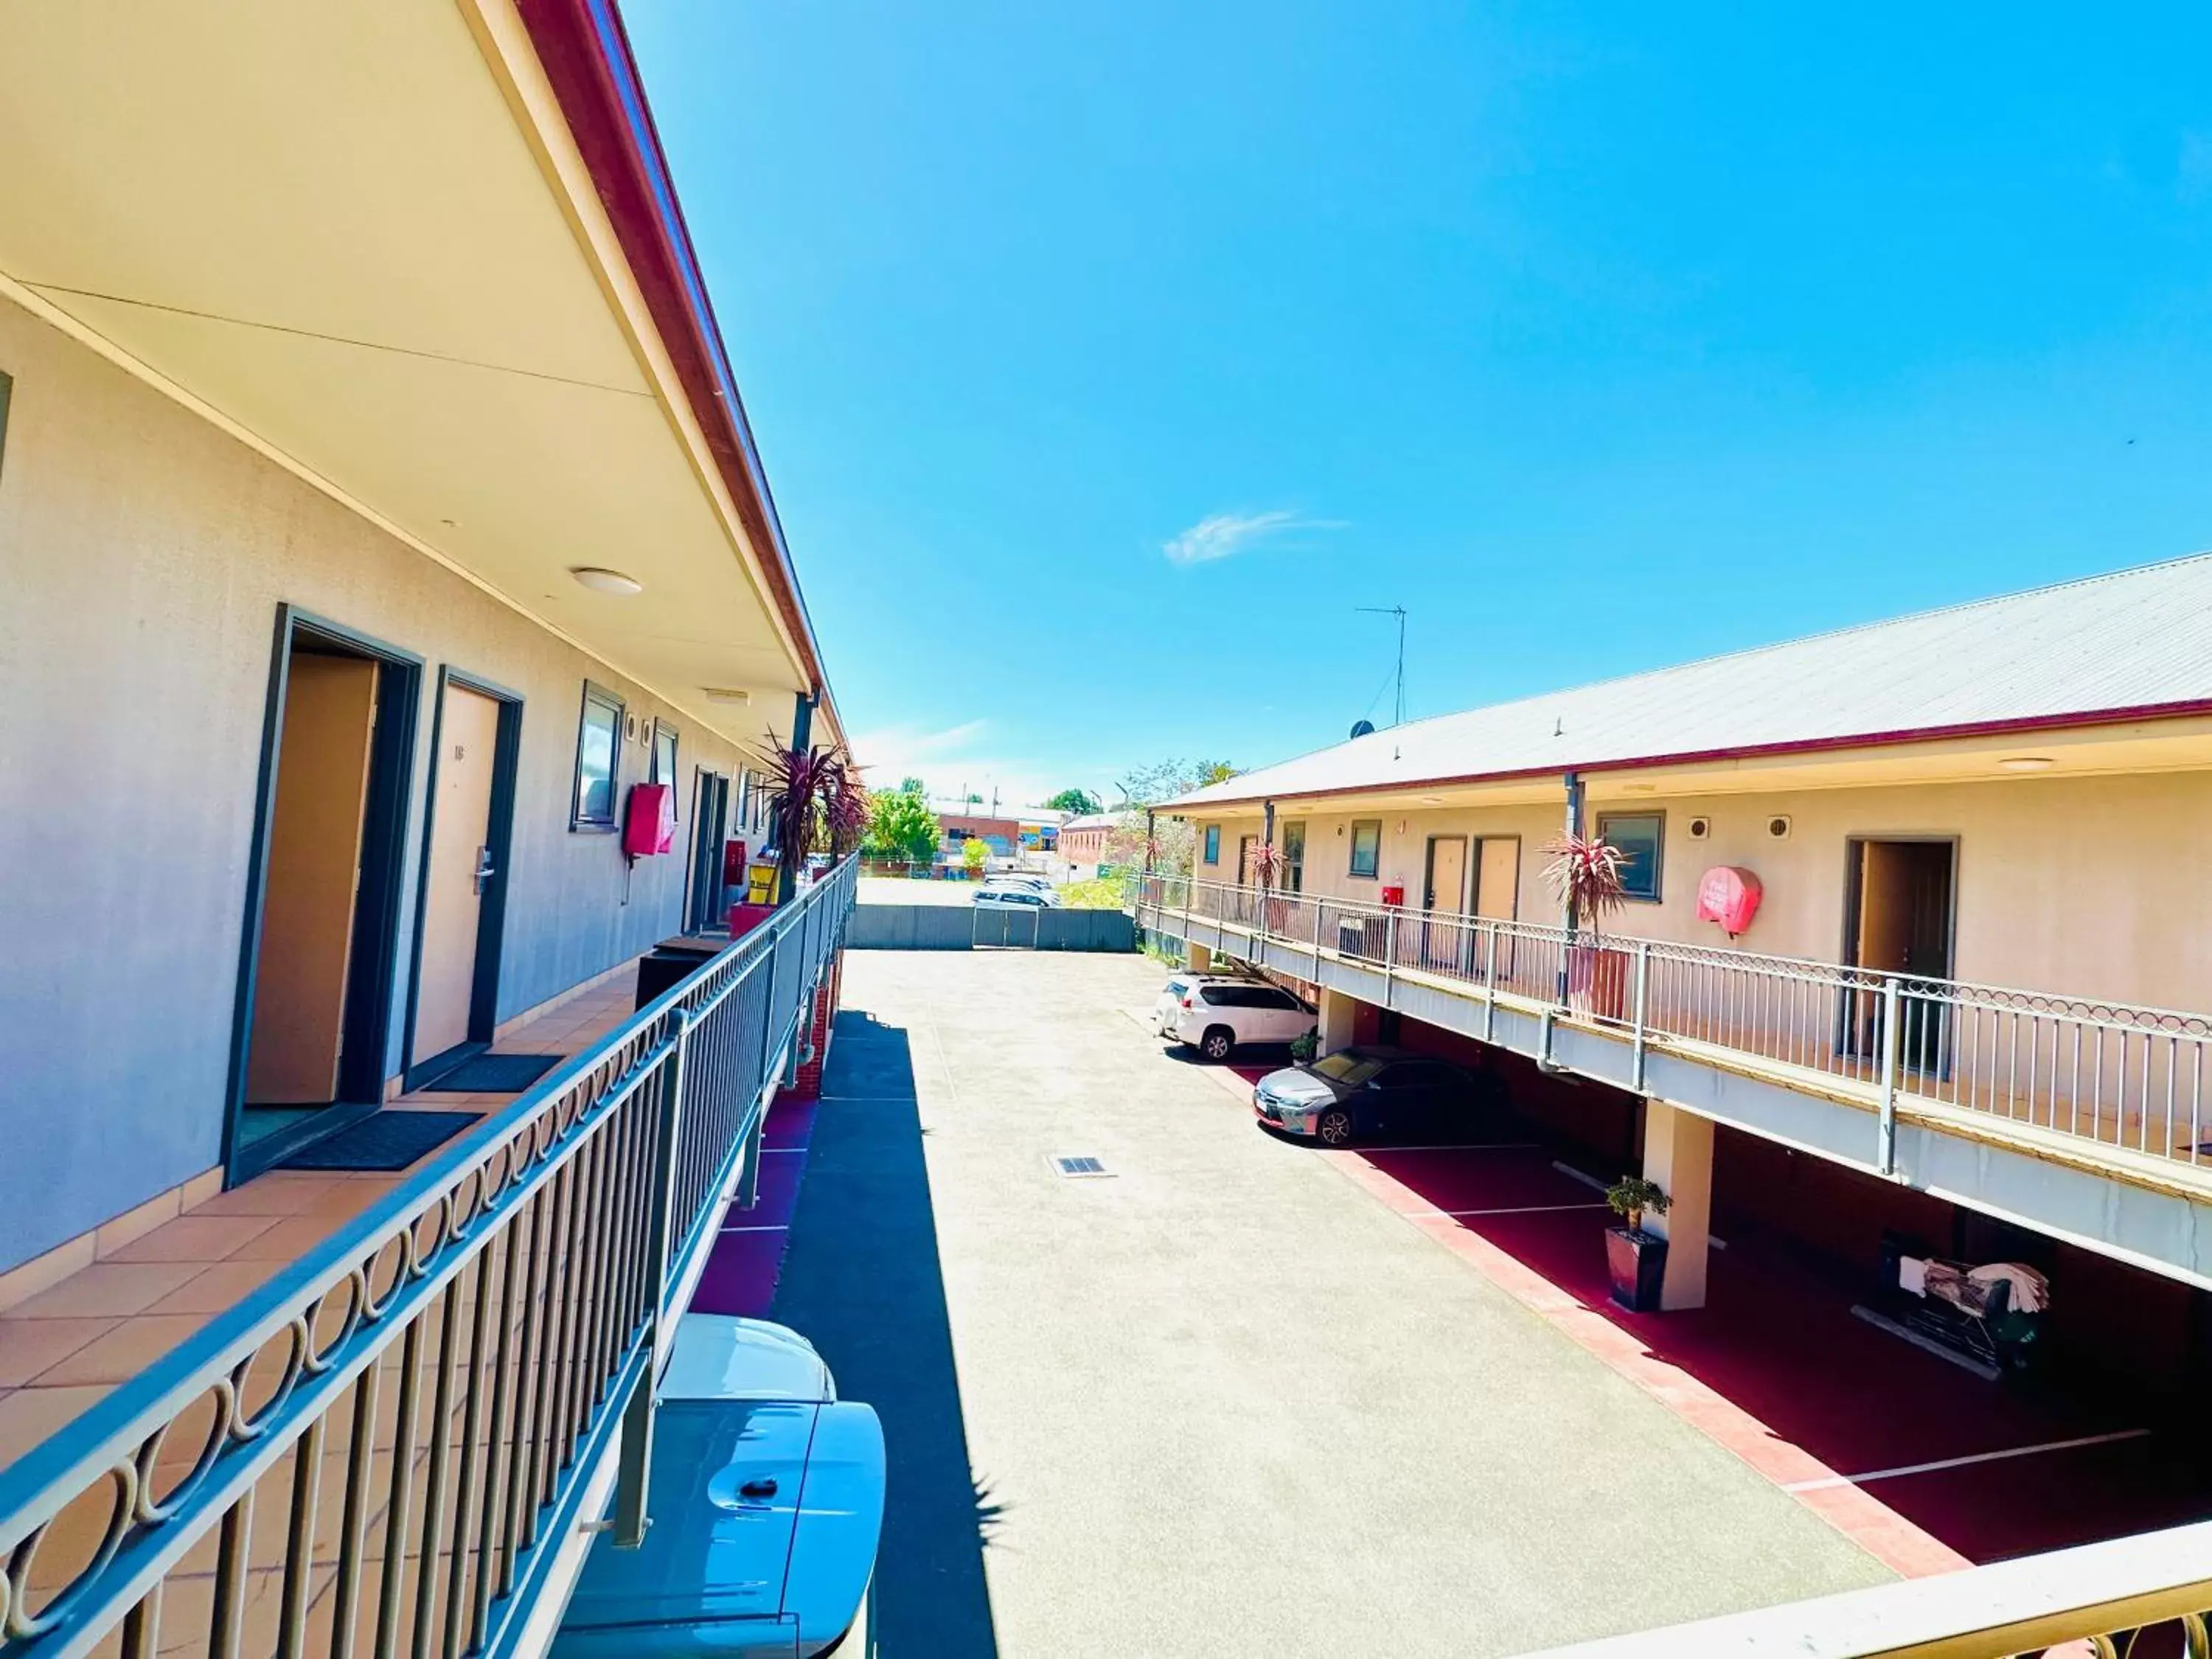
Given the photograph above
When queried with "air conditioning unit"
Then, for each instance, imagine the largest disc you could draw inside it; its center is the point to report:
(1778, 827)
(1700, 829)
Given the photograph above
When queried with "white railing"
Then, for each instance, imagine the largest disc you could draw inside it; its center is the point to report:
(2108, 1072)
(2140, 1596)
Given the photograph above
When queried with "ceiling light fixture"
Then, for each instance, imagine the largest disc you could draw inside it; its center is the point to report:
(2027, 762)
(1432, 801)
(605, 582)
(728, 694)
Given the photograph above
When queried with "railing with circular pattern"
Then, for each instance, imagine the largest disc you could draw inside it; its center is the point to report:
(380, 1449)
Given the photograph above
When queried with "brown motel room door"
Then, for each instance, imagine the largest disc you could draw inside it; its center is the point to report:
(459, 868)
(314, 866)
(1902, 895)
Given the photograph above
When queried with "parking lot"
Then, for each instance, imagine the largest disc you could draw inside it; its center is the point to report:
(1220, 1400)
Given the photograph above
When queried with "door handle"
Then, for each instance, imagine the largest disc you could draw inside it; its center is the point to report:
(484, 868)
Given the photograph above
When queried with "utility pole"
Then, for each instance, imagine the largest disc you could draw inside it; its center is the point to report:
(1399, 612)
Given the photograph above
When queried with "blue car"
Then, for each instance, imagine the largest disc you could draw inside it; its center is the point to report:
(767, 1500)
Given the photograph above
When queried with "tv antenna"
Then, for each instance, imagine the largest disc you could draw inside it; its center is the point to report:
(1399, 612)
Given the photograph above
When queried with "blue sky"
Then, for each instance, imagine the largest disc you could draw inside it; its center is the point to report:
(1104, 358)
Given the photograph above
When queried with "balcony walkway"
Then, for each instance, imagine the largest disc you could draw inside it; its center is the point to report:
(64, 1348)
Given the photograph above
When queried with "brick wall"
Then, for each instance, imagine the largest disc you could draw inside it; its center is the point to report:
(809, 1086)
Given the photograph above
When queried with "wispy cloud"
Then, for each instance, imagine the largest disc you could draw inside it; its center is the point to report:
(1220, 535)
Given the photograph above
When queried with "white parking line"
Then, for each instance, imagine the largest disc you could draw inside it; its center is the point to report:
(1471, 1146)
(1523, 1209)
(1961, 1462)
(757, 1230)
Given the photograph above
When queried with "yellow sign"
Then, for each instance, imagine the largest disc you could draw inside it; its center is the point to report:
(760, 884)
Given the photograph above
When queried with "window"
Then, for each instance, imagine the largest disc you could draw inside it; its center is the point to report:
(1294, 856)
(1640, 836)
(598, 761)
(1366, 846)
(663, 754)
(1214, 844)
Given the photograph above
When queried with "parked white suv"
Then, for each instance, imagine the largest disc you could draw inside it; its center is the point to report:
(1214, 1013)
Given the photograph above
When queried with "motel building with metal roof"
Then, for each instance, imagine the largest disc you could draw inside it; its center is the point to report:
(1916, 942)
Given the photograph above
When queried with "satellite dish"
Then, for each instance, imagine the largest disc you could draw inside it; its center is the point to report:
(1362, 728)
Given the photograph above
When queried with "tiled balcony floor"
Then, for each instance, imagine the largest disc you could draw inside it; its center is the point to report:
(66, 1347)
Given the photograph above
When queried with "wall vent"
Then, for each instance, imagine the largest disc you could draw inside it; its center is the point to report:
(1778, 827)
(1700, 828)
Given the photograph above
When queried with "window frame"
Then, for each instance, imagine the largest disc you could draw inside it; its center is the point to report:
(1658, 820)
(580, 822)
(1374, 871)
(1213, 846)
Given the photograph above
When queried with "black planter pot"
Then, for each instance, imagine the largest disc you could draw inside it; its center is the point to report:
(1638, 1262)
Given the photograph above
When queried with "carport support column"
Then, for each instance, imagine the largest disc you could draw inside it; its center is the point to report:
(1678, 1154)
(1336, 1012)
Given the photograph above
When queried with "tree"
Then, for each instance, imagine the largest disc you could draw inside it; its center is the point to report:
(1081, 802)
(900, 825)
(1173, 844)
(1148, 785)
(973, 852)
(911, 787)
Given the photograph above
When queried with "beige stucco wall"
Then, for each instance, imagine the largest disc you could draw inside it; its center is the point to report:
(144, 554)
(2099, 886)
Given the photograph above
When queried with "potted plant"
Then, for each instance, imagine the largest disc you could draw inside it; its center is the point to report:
(1638, 1260)
(1306, 1045)
(1585, 874)
(974, 852)
(1268, 866)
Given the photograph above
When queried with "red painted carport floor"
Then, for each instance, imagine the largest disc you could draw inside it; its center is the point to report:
(1777, 1369)
(747, 1257)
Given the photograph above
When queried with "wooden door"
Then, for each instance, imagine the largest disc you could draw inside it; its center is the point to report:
(1443, 893)
(1497, 895)
(460, 864)
(314, 868)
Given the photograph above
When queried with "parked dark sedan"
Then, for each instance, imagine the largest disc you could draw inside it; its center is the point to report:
(1357, 1093)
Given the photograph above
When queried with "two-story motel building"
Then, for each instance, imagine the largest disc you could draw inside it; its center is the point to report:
(1984, 830)
(380, 527)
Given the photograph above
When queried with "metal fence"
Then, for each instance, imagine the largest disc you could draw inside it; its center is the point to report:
(2129, 1598)
(383, 1450)
(2121, 1075)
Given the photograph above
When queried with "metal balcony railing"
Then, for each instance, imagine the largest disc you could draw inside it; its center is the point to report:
(2124, 1599)
(2120, 1075)
(384, 1449)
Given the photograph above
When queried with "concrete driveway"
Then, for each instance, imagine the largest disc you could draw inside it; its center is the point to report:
(1221, 1403)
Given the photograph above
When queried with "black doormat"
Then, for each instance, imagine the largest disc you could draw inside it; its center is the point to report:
(387, 1140)
(493, 1074)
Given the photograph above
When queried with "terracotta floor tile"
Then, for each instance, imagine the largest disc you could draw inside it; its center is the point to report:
(280, 1194)
(124, 1352)
(107, 1289)
(201, 1238)
(30, 1415)
(28, 1346)
(290, 1240)
(213, 1289)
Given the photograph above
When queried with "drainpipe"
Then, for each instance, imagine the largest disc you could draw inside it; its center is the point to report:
(802, 739)
(1568, 919)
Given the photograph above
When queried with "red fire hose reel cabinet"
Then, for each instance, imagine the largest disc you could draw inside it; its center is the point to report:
(1395, 895)
(650, 822)
(1729, 896)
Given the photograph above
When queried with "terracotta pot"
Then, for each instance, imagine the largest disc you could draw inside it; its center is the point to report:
(1597, 982)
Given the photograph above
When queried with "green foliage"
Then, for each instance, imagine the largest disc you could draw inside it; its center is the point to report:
(1081, 802)
(911, 787)
(1305, 1045)
(1148, 785)
(1101, 893)
(1631, 1195)
(974, 852)
(900, 825)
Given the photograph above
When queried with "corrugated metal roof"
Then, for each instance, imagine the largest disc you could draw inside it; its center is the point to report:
(2134, 641)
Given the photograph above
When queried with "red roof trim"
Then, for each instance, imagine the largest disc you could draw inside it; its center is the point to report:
(587, 56)
(1806, 746)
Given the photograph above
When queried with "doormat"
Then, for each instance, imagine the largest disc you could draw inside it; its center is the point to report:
(493, 1074)
(388, 1140)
